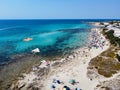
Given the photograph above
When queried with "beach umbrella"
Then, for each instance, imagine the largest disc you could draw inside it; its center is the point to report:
(52, 86)
(66, 88)
(72, 81)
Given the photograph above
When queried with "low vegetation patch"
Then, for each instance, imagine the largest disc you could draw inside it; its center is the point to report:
(110, 35)
(105, 67)
(118, 57)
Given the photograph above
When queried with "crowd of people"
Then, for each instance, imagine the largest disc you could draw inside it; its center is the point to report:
(96, 40)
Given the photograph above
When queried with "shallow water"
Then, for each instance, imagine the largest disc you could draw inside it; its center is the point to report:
(50, 36)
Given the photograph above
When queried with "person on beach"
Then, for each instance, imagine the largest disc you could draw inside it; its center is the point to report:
(58, 81)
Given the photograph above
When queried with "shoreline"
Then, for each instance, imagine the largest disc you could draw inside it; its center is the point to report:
(78, 59)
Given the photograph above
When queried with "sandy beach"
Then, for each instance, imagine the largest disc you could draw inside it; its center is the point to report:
(59, 45)
(71, 67)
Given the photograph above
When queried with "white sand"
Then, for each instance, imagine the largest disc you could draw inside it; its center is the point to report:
(76, 69)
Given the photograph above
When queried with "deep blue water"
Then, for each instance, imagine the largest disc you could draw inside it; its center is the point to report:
(52, 37)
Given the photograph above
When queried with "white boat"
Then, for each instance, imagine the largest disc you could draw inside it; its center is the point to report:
(36, 50)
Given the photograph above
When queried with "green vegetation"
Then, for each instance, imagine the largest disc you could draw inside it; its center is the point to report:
(111, 54)
(110, 36)
(104, 29)
(118, 57)
(101, 23)
(112, 22)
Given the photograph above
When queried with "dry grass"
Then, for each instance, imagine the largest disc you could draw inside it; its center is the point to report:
(106, 64)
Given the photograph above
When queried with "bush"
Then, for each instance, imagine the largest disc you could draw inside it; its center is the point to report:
(118, 57)
(113, 40)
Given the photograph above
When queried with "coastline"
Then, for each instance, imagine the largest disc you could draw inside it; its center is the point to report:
(73, 66)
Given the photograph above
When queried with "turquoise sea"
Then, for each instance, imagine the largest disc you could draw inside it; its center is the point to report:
(52, 37)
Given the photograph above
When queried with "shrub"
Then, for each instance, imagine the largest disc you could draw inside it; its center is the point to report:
(118, 57)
